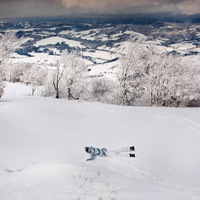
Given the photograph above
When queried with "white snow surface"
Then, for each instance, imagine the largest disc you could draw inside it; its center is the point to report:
(42, 153)
(55, 40)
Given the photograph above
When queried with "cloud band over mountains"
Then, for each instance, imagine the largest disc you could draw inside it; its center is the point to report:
(25, 8)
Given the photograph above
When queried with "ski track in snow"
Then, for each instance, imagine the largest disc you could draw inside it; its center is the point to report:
(188, 121)
(179, 118)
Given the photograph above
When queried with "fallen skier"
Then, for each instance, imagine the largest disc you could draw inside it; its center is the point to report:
(109, 153)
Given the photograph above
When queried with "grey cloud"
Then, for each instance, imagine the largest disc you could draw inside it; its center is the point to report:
(189, 7)
(23, 8)
(132, 6)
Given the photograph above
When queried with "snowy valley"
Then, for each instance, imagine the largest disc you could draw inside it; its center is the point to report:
(100, 40)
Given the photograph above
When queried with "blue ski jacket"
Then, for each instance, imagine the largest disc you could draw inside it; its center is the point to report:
(96, 152)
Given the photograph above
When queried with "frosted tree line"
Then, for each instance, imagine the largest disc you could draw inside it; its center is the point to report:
(61, 80)
(151, 76)
(65, 79)
(147, 76)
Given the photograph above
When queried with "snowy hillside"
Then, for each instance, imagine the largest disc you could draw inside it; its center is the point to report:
(42, 153)
(100, 40)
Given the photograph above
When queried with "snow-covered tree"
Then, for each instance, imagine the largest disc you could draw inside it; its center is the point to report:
(170, 82)
(14, 72)
(8, 43)
(33, 75)
(73, 74)
(100, 89)
(33, 78)
(26, 71)
(54, 80)
(53, 84)
(57, 74)
(66, 76)
(149, 72)
(48, 89)
(2, 86)
(132, 72)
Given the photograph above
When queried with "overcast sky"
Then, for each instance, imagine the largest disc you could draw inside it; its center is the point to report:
(24, 8)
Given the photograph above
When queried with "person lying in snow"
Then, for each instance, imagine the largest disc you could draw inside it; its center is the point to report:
(109, 153)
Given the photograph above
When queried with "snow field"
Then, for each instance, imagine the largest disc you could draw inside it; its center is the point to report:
(87, 35)
(106, 70)
(55, 40)
(42, 153)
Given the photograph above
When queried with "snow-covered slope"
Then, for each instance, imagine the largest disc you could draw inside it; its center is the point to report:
(42, 154)
(54, 40)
